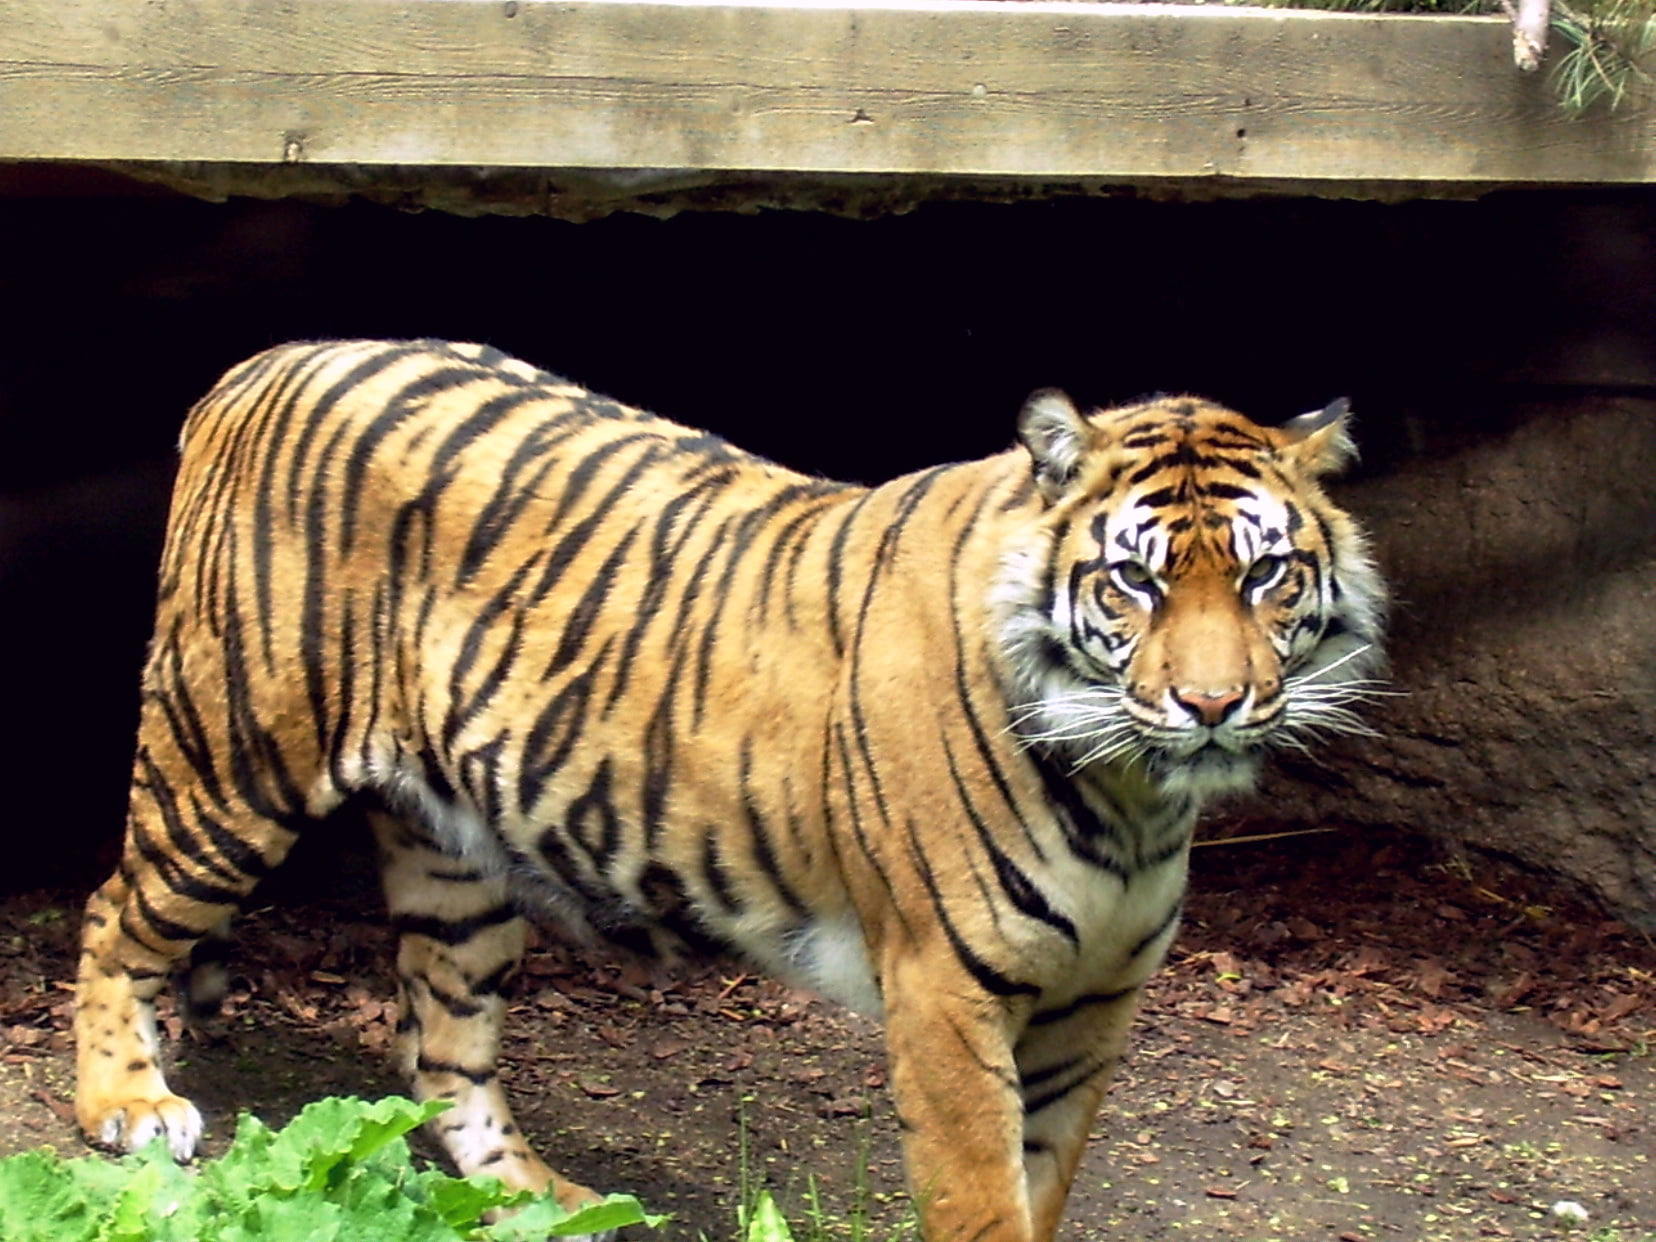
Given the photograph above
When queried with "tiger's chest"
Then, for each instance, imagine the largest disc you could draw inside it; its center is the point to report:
(1124, 927)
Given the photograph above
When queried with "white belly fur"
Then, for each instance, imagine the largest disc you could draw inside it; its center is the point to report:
(830, 957)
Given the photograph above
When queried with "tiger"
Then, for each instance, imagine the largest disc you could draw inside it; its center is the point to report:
(933, 748)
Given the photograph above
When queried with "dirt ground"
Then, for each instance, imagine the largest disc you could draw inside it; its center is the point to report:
(1356, 1038)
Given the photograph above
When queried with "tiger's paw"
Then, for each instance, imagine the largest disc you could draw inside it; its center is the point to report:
(582, 1198)
(127, 1127)
(571, 1196)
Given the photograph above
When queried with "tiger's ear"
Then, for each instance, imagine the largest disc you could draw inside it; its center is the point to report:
(1057, 437)
(1319, 442)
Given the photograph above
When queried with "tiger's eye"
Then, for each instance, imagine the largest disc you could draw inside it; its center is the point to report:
(1135, 576)
(1262, 571)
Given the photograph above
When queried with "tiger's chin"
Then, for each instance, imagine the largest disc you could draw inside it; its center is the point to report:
(1211, 771)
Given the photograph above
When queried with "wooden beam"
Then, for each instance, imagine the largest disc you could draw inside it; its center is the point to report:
(1041, 89)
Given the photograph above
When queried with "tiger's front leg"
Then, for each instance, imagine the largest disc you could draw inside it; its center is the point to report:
(460, 939)
(959, 1106)
(1066, 1057)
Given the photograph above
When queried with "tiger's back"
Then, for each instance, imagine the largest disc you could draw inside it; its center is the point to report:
(589, 661)
(508, 606)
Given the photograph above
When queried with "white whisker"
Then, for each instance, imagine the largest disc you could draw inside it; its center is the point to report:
(1316, 673)
(1285, 736)
(1120, 747)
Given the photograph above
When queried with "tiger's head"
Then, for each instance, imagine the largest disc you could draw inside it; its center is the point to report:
(1188, 596)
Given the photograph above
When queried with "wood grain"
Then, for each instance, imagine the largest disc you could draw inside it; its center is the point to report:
(972, 87)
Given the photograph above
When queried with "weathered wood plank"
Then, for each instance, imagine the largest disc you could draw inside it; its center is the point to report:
(970, 87)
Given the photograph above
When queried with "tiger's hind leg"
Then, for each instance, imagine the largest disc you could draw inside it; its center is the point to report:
(459, 941)
(184, 871)
(202, 984)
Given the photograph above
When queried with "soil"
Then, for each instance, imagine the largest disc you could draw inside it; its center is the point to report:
(1357, 1037)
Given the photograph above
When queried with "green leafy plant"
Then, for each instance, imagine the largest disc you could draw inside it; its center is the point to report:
(765, 1223)
(759, 1218)
(1608, 43)
(341, 1171)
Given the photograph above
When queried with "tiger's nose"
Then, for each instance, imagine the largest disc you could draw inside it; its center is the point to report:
(1210, 709)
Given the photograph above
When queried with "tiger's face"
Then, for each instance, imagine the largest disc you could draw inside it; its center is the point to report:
(1189, 596)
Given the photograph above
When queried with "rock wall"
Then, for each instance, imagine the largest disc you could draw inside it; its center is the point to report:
(1523, 560)
(1501, 356)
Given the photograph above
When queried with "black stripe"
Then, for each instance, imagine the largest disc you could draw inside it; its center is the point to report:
(800, 524)
(1026, 898)
(511, 497)
(791, 592)
(453, 931)
(858, 832)
(665, 568)
(239, 854)
(987, 976)
(671, 907)
(575, 482)
(836, 572)
(1149, 468)
(314, 632)
(987, 753)
(908, 501)
(280, 402)
(596, 806)
(1035, 1078)
(570, 546)
(759, 834)
(716, 874)
(555, 732)
(431, 1065)
(753, 524)
(316, 411)
(346, 680)
(463, 710)
(495, 981)
(1234, 439)
(578, 624)
(160, 790)
(1049, 571)
(488, 415)
(184, 722)
(1046, 1017)
(556, 857)
(155, 921)
(254, 752)
(660, 745)
(379, 626)
(1091, 1070)
(1160, 930)
(1083, 829)
(411, 399)
(455, 1006)
(165, 864)
(444, 875)
(480, 775)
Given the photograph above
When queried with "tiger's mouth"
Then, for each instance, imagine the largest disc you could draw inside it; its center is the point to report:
(1101, 723)
(1247, 735)
(1212, 766)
